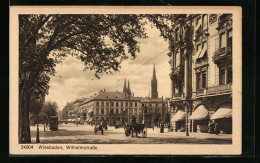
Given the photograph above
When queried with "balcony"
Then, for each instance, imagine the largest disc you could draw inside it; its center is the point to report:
(177, 97)
(223, 21)
(177, 73)
(215, 90)
(220, 89)
(222, 54)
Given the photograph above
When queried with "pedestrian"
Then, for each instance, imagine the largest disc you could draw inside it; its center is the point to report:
(162, 128)
(217, 130)
(169, 127)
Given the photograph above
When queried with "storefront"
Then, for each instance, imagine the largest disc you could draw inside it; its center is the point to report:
(200, 119)
(223, 116)
(178, 120)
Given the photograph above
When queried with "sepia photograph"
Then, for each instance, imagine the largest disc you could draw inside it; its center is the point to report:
(148, 81)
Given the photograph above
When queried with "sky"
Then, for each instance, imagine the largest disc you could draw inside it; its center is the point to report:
(75, 83)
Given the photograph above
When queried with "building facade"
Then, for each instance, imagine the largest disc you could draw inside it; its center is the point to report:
(201, 74)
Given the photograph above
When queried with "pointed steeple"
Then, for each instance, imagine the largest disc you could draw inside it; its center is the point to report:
(154, 92)
(154, 74)
(129, 89)
(125, 89)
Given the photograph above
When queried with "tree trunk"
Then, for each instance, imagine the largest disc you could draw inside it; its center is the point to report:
(24, 119)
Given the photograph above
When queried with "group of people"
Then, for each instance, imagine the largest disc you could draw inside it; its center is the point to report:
(213, 128)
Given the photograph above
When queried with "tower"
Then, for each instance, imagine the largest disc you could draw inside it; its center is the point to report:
(125, 89)
(154, 92)
(129, 89)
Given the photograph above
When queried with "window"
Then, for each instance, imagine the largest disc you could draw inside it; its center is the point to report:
(116, 103)
(111, 111)
(135, 104)
(150, 105)
(156, 105)
(205, 22)
(178, 59)
(198, 21)
(102, 111)
(131, 104)
(135, 110)
(112, 103)
(229, 41)
(97, 110)
(198, 79)
(107, 103)
(122, 104)
(126, 110)
(142, 104)
(222, 40)
(204, 79)
(229, 76)
(163, 105)
(116, 111)
(97, 103)
(102, 103)
(107, 110)
(222, 77)
(122, 110)
(126, 104)
(177, 34)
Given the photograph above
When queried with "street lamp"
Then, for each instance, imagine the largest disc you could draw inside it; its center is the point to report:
(37, 133)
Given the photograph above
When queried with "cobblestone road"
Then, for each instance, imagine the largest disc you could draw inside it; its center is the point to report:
(84, 134)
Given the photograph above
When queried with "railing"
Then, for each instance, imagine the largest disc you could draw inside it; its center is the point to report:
(224, 52)
(220, 89)
(178, 70)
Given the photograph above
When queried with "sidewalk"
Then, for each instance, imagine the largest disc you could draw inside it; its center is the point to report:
(191, 134)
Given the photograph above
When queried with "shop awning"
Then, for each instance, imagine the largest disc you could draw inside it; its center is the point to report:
(202, 53)
(200, 113)
(179, 116)
(225, 111)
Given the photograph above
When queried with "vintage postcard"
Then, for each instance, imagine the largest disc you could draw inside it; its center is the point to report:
(125, 80)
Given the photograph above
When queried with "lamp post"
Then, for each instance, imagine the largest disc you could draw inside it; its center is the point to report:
(37, 134)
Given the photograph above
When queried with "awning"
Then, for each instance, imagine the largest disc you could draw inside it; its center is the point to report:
(200, 113)
(90, 110)
(197, 27)
(179, 116)
(202, 53)
(225, 111)
(197, 54)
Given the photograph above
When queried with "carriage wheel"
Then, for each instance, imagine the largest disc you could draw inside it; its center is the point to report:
(144, 133)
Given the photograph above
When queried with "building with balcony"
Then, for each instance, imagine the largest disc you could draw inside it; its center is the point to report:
(202, 72)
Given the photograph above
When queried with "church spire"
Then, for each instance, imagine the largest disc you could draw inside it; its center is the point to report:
(129, 89)
(125, 89)
(154, 92)
(154, 74)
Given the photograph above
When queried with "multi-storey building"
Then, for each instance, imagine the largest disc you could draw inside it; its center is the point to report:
(201, 74)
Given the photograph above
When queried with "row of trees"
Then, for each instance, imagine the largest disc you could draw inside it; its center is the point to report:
(45, 40)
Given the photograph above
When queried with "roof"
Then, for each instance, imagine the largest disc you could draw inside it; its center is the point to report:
(114, 96)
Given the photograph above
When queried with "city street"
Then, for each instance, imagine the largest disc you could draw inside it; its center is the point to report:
(84, 134)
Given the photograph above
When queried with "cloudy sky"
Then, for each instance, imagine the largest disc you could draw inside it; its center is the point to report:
(76, 83)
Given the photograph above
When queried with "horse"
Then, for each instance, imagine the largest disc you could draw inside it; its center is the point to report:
(100, 128)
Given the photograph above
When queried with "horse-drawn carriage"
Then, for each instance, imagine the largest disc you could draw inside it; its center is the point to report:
(136, 129)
